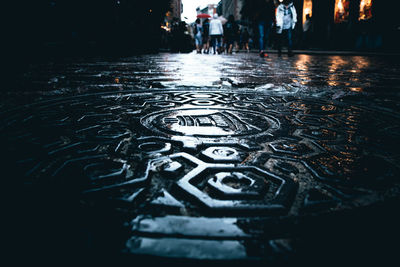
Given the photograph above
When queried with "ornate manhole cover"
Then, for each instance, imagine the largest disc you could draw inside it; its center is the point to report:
(210, 122)
(204, 175)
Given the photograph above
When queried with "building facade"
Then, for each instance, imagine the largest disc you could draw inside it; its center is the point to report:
(352, 24)
(232, 7)
(337, 24)
(210, 9)
(176, 8)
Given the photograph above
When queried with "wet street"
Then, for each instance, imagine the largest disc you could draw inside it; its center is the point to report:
(203, 157)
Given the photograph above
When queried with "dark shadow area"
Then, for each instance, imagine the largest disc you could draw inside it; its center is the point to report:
(366, 236)
(47, 225)
(37, 31)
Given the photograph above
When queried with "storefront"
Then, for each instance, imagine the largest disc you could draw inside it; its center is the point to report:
(349, 24)
(342, 11)
(365, 10)
(307, 11)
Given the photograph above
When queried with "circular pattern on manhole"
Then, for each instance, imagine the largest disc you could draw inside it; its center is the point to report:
(210, 122)
(213, 160)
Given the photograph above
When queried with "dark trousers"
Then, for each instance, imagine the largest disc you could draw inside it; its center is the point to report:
(216, 42)
(264, 30)
(285, 34)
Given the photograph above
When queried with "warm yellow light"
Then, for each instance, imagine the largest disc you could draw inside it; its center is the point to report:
(341, 11)
(165, 28)
(356, 89)
(365, 9)
(340, 6)
(307, 10)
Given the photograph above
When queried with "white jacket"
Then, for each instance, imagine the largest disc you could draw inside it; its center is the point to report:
(280, 13)
(216, 27)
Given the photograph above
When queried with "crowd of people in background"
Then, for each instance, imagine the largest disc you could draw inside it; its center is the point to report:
(212, 36)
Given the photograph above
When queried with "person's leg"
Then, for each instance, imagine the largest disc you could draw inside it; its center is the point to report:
(267, 34)
(237, 44)
(219, 43)
(229, 44)
(213, 42)
(290, 44)
(261, 30)
(200, 43)
(279, 37)
(197, 41)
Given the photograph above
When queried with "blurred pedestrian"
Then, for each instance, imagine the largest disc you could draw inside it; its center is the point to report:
(206, 36)
(216, 32)
(264, 20)
(231, 32)
(244, 39)
(198, 30)
(177, 37)
(286, 18)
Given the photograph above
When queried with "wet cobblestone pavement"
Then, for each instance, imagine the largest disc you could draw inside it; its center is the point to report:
(199, 156)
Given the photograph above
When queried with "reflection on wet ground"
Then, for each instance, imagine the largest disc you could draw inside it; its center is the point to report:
(376, 79)
(196, 156)
(307, 73)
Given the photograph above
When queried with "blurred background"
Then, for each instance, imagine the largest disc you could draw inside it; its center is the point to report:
(36, 30)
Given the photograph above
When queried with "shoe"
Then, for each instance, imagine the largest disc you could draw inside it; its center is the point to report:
(290, 54)
(262, 54)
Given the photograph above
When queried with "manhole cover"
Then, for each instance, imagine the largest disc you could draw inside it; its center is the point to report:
(203, 175)
(210, 122)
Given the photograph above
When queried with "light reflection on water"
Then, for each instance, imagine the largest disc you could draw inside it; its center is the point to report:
(303, 68)
(195, 70)
(318, 74)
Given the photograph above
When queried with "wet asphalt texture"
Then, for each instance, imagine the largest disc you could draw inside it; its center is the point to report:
(203, 159)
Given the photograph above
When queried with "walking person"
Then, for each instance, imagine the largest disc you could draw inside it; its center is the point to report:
(286, 18)
(216, 32)
(264, 20)
(231, 32)
(244, 39)
(198, 29)
(206, 36)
